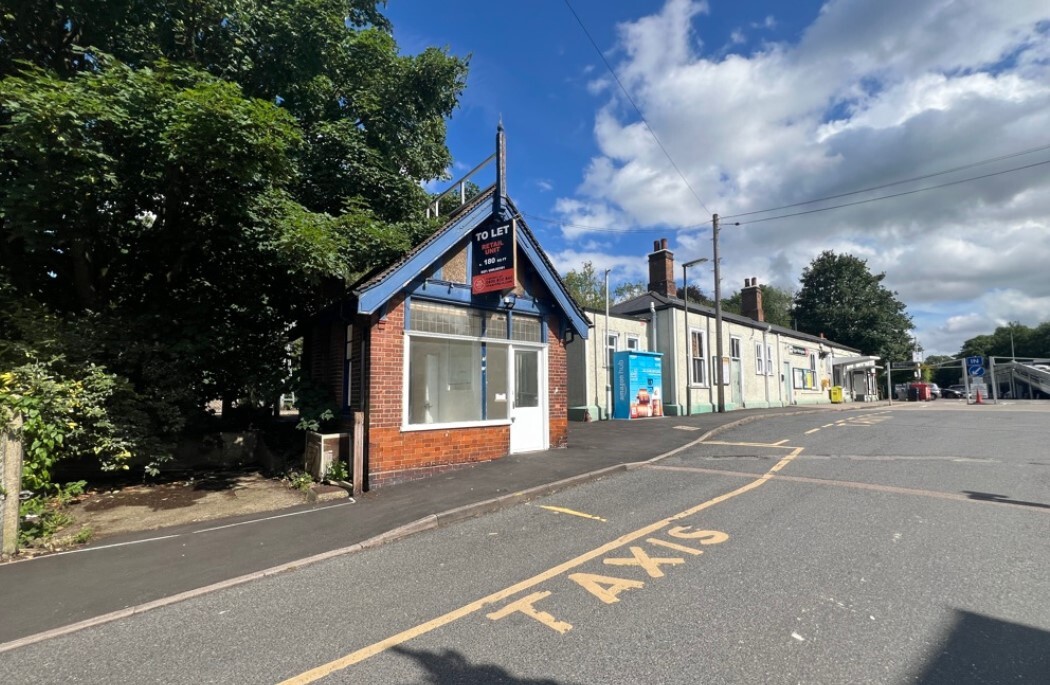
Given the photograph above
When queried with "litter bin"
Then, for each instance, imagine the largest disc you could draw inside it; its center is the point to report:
(913, 393)
(836, 394)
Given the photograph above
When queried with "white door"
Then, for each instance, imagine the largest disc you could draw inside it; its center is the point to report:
(528, 430)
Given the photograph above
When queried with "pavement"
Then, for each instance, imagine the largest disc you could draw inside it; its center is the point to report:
(53, 595)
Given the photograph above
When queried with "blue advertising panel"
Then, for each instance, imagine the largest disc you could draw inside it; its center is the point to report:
(637, 385)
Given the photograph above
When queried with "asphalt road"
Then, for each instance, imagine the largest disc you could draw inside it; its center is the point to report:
(886, 546)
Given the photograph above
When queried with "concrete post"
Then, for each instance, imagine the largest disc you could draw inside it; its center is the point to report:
(11, 451)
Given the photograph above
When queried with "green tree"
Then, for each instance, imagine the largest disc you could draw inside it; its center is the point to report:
(777, 304)
(181, 182)
(841, 298)
(586, 286)
(627, 290)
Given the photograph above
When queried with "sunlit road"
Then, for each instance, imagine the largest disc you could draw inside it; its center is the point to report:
(893, 545)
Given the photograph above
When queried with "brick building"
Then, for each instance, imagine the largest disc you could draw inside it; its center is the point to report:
(455, 354)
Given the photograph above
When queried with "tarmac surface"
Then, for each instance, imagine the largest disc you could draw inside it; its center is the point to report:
(52, 595)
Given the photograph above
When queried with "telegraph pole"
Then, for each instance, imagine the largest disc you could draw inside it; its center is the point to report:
(718, 318)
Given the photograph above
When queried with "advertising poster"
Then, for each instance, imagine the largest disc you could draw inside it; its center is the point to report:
(638, 378)
(493, 249)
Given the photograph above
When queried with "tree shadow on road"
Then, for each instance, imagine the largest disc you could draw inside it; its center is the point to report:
(981, 649)
(449, 667)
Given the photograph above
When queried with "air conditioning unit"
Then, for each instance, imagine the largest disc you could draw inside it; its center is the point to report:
(323, 449)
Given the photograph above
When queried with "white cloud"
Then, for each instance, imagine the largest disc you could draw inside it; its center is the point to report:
(544, 185)
(873, 92)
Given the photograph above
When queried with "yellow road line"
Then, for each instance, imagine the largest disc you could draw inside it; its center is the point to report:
(572, 512)
(360, 655)
(778, 443)
(812, 431)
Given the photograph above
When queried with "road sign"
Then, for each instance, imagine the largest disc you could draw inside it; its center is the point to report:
(902, 365)
(975, 366)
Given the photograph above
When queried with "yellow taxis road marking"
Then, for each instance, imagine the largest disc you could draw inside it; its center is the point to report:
(778, 443)
(812, 431)
(525, 604)
(572, 512)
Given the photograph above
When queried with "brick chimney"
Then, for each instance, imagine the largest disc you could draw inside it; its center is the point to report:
(661, 269)
(751, 300)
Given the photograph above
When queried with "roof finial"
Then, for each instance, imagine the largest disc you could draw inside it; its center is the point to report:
(501, 169)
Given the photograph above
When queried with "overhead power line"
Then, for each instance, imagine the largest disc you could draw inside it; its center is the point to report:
(636, 108)
(607, 229)
(893, 183)
(907, 192)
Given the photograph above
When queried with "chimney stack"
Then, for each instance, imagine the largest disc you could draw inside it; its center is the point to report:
(661, 270)
(751, 300)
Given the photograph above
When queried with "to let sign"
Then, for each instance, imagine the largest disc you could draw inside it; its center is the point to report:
(494, 248)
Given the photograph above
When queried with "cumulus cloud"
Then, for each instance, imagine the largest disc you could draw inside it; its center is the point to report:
(872, 93)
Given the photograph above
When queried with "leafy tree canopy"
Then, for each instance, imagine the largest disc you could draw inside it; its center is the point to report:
(841, 298)
(1014, 339)
(182, 181)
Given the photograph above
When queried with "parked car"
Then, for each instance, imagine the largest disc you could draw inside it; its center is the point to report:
(936, 390)
(956, 392)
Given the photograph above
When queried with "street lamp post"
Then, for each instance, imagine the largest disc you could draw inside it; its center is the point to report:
(688, 356)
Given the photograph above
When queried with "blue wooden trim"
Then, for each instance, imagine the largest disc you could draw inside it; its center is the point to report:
(484, 382)
(374, 297)
(408, 312)
(553, 283)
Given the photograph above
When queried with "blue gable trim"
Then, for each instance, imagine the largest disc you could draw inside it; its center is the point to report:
(407, 276)
(370, 299)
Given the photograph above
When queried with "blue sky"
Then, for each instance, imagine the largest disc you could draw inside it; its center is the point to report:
(766, 104)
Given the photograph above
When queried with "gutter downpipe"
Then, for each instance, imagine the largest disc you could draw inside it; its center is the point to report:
(765, 346)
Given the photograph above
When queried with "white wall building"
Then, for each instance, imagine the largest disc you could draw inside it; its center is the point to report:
(763, 365)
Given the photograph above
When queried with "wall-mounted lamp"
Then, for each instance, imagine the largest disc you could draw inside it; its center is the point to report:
(510, 300)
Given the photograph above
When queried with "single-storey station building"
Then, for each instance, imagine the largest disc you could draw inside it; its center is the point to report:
(763, 365)
(456, 353)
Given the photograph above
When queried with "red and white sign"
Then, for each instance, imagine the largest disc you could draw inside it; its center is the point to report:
(494, 250)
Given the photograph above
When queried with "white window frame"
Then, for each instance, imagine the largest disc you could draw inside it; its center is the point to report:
(510, 344)
(634, 342)
(612, 344)
(760, 366)
(692, 381)
(724, 372)
(770, 369)
(734, 346)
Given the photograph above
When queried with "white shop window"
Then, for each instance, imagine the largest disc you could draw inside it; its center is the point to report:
(457, 369)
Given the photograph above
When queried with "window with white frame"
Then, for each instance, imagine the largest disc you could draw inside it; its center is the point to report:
(769, 360)
(697, 355)
(633, 342)
(719, 371)
(458, 363)
(734, 347)
(760, 366)
(812, 361)
(611, 344)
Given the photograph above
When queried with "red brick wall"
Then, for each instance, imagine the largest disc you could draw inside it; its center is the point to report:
(557, 386)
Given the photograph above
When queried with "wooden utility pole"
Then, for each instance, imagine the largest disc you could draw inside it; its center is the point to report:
(11, 457)
(718, 319)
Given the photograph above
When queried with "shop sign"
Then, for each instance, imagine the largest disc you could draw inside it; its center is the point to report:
(798, 351)
(494, 251)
